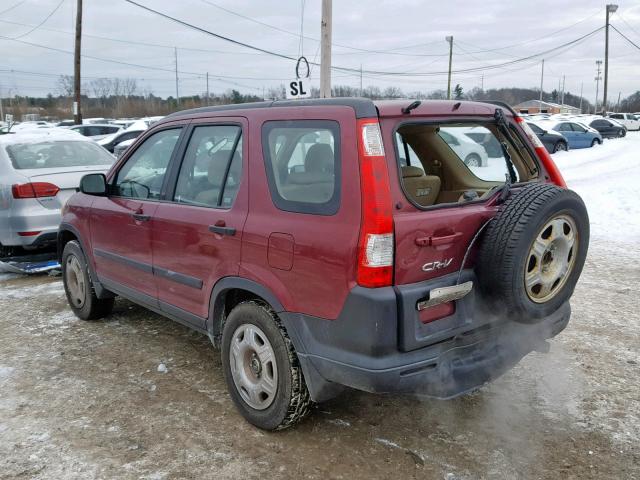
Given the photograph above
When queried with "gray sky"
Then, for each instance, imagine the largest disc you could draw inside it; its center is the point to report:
(409, 33)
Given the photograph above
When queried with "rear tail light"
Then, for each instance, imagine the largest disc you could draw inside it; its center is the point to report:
(34, 190)
(375, 245)
(554, 174)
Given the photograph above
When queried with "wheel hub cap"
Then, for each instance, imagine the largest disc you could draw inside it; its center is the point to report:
(551, 259)
(253, 366)
(76, 286)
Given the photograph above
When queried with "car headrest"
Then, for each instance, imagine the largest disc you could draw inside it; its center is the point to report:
(319, 158)
(409, 171)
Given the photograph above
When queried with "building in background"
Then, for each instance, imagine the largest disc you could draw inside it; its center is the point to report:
(537, 106)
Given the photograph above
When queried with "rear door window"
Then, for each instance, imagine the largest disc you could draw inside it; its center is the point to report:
(212, 167)
(302, 160)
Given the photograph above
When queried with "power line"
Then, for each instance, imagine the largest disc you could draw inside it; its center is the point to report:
(354, 70)
(42, 22)
(625, 37)
(526, 42)
(12, 7)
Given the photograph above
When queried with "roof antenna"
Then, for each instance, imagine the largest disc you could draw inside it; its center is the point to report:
(411, 106)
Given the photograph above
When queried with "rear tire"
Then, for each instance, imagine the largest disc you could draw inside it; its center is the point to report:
(78, 286)
(261, 368)
(472, 160)
(560, 147)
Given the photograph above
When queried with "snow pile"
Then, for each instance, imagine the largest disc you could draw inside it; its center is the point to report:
(607, 177)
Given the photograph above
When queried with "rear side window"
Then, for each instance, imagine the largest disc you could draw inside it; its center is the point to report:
(302, 160)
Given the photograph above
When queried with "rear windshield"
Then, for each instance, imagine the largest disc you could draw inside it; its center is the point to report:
(450, 163)
(57, 154)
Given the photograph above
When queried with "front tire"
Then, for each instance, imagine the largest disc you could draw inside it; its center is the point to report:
(595, 142)
(261, 368)
(78, 286)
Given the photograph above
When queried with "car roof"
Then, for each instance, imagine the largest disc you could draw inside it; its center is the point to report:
(363, 107)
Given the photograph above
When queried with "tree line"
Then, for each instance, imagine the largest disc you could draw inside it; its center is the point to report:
(123, 98)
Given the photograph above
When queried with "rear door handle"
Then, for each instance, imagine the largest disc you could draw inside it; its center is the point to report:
(222, 230)
(140, 217)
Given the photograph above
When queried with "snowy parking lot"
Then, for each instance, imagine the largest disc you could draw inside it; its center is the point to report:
(138, 396)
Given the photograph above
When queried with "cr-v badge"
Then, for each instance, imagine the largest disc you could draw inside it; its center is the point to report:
(431, 266)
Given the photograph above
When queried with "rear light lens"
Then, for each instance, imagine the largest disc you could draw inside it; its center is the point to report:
(554, 174)
(34, 190)
(372, 140)
(28, 234)
(375, 246)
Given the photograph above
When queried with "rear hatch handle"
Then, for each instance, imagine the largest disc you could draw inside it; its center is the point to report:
(438, 240)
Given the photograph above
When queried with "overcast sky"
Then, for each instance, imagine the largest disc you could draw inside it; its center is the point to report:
(406, 35)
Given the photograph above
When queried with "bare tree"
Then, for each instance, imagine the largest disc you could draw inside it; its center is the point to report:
(101, 87)
(129, 86)
(64, 85)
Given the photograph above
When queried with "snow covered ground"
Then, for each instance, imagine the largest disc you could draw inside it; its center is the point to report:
(607, 177)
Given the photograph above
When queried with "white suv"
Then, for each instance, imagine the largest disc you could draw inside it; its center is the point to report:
(629, 120)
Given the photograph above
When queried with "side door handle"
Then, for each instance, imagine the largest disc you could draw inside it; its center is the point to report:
(221, 229)
(441, 240)
(141, 217)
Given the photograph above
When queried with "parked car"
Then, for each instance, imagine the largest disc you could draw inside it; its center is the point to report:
(629, 120)
(471, 150)
(553, 141)
(608, 128)
(577, 135)
(293, 234)
(121, 147)
(96, 131)
(110, 142)
(39, 171)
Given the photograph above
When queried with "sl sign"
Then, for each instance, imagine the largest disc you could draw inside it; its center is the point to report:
(298, 89)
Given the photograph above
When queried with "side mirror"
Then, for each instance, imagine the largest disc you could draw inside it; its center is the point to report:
(94, 184)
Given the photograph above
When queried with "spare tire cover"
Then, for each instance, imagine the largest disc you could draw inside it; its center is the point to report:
(532, 252)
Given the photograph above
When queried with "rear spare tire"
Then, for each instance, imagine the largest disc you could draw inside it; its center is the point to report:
(533, 251)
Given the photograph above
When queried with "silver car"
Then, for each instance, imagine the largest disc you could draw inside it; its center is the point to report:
(39, 171)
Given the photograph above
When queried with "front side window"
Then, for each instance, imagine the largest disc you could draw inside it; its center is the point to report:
(302, 159)
(212, 167)
(143, 173)
(578, 128)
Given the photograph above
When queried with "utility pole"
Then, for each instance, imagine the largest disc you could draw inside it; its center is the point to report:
(175, 52)
(618, 104)
(450, 40)
(1, 110)
(207, 89)
(361, 80)
(611, 8)
(581, 87)
(482, 82)
(597, 79)
(541, 82)
(562, 97)
(77, 112)
(325, 50)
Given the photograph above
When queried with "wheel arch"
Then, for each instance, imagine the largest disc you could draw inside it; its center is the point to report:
(229, 292)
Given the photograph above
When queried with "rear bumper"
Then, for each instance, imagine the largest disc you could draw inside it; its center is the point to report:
(29, 218)
(361, 350)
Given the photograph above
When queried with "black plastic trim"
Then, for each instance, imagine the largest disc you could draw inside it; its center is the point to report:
(162, 308)
(181, 278)
(145, 267)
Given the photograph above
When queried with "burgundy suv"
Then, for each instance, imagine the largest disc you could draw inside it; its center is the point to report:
(335, 243)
